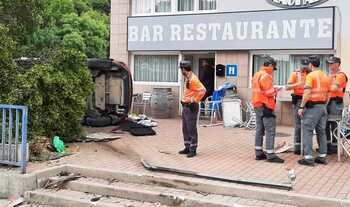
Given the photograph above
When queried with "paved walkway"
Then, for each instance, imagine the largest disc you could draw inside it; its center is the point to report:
(222, 151)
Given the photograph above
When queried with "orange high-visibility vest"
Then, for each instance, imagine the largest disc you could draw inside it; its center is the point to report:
(263, 91)
(296, 77)
(319, 83)
(341, 80)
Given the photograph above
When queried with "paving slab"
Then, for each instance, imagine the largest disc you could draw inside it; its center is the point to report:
(222, 152)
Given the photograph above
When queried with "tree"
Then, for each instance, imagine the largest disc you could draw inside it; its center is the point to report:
(8, 70)
(55, 94)
(72, 24)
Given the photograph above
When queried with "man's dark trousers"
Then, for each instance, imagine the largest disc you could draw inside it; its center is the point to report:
(189, 127)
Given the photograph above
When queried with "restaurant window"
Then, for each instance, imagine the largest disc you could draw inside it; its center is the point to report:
(207, 4)
(163, 5)
(142, 6)
(185, 5)
(286, 64)
(156, 68)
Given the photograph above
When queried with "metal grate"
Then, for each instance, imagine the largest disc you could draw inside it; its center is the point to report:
(13, 134)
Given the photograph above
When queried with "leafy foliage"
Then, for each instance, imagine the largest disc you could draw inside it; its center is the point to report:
(55, 94)
(7, 67)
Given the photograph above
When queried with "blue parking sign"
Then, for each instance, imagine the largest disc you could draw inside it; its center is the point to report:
(231, 70)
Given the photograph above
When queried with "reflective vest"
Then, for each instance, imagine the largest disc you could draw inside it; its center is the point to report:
(263, 91)
(340, 92)
(296, 77)
(320, 84)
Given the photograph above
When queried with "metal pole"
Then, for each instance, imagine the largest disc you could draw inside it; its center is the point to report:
(302, 137)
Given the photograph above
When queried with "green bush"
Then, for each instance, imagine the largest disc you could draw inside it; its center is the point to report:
(7, 66)
(55, 94)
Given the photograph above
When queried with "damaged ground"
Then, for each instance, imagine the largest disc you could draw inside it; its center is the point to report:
(222, 152)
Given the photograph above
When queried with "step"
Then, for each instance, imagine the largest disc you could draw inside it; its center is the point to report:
(156, 194)
(68, 198)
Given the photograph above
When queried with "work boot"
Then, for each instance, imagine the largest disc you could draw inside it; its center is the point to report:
(307, 162)
(184, 151)
(275, 159)
(192, 153)
(321, 160)
(261, 157)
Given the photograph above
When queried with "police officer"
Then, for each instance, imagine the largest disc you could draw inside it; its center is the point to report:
(314, 112)
(264, 103)
(193, 94)
(296, 83)
(335, 106)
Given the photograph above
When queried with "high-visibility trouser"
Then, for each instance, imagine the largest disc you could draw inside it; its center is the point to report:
(265, 125)
(297, 126)
(189, 127)
(315, 118)
(334, 109)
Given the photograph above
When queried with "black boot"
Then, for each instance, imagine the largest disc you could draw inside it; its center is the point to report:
(192, 153)
(307, 162)
(275, 159)
(184, 151)
(321, 160)
(261, 157)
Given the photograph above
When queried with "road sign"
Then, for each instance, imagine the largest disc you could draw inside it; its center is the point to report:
(232, 70)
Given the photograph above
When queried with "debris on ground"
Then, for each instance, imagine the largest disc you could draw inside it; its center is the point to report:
(96, 198)
(258, 183)
(135, 129)
(58, 144)
(59, 182)
(101, 137)
(16, 202)
(165, 152)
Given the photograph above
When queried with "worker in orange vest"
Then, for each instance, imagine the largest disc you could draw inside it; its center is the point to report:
(193, 94)
(264, 102)
(335, 106)
(296, 83)
(313, 111)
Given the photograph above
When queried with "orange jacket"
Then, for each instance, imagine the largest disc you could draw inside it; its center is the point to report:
(195, 90)
(319, 83)
(263, 91)
(296, 77)
(341, 80)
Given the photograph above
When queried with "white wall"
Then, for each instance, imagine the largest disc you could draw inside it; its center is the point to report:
(342, 46)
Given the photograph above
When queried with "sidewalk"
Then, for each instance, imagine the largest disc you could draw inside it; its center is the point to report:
(222, 152)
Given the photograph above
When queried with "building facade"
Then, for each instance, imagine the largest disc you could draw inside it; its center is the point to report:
(152, 36)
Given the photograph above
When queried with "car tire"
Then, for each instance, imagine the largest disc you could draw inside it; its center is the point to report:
(99, 64)
(102, 121)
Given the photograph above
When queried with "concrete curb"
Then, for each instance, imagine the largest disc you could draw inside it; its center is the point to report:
(214, 187)
(168, 199)
(55, 200)
(14, 184)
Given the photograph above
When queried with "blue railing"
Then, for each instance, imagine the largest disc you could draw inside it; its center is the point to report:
(13, 129)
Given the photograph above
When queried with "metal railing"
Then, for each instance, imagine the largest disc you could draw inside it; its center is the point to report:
(13, 129)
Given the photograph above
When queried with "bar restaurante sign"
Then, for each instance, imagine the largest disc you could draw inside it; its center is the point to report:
(293, 4)
(272, 29)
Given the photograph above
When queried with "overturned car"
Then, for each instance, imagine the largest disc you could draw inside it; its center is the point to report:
(111, 100)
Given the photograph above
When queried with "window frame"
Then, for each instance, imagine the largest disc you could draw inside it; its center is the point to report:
(282, 52)
(152, 83)
(174, 9)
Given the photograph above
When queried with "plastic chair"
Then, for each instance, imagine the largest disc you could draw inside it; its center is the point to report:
(210, 109)
(141, 100)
